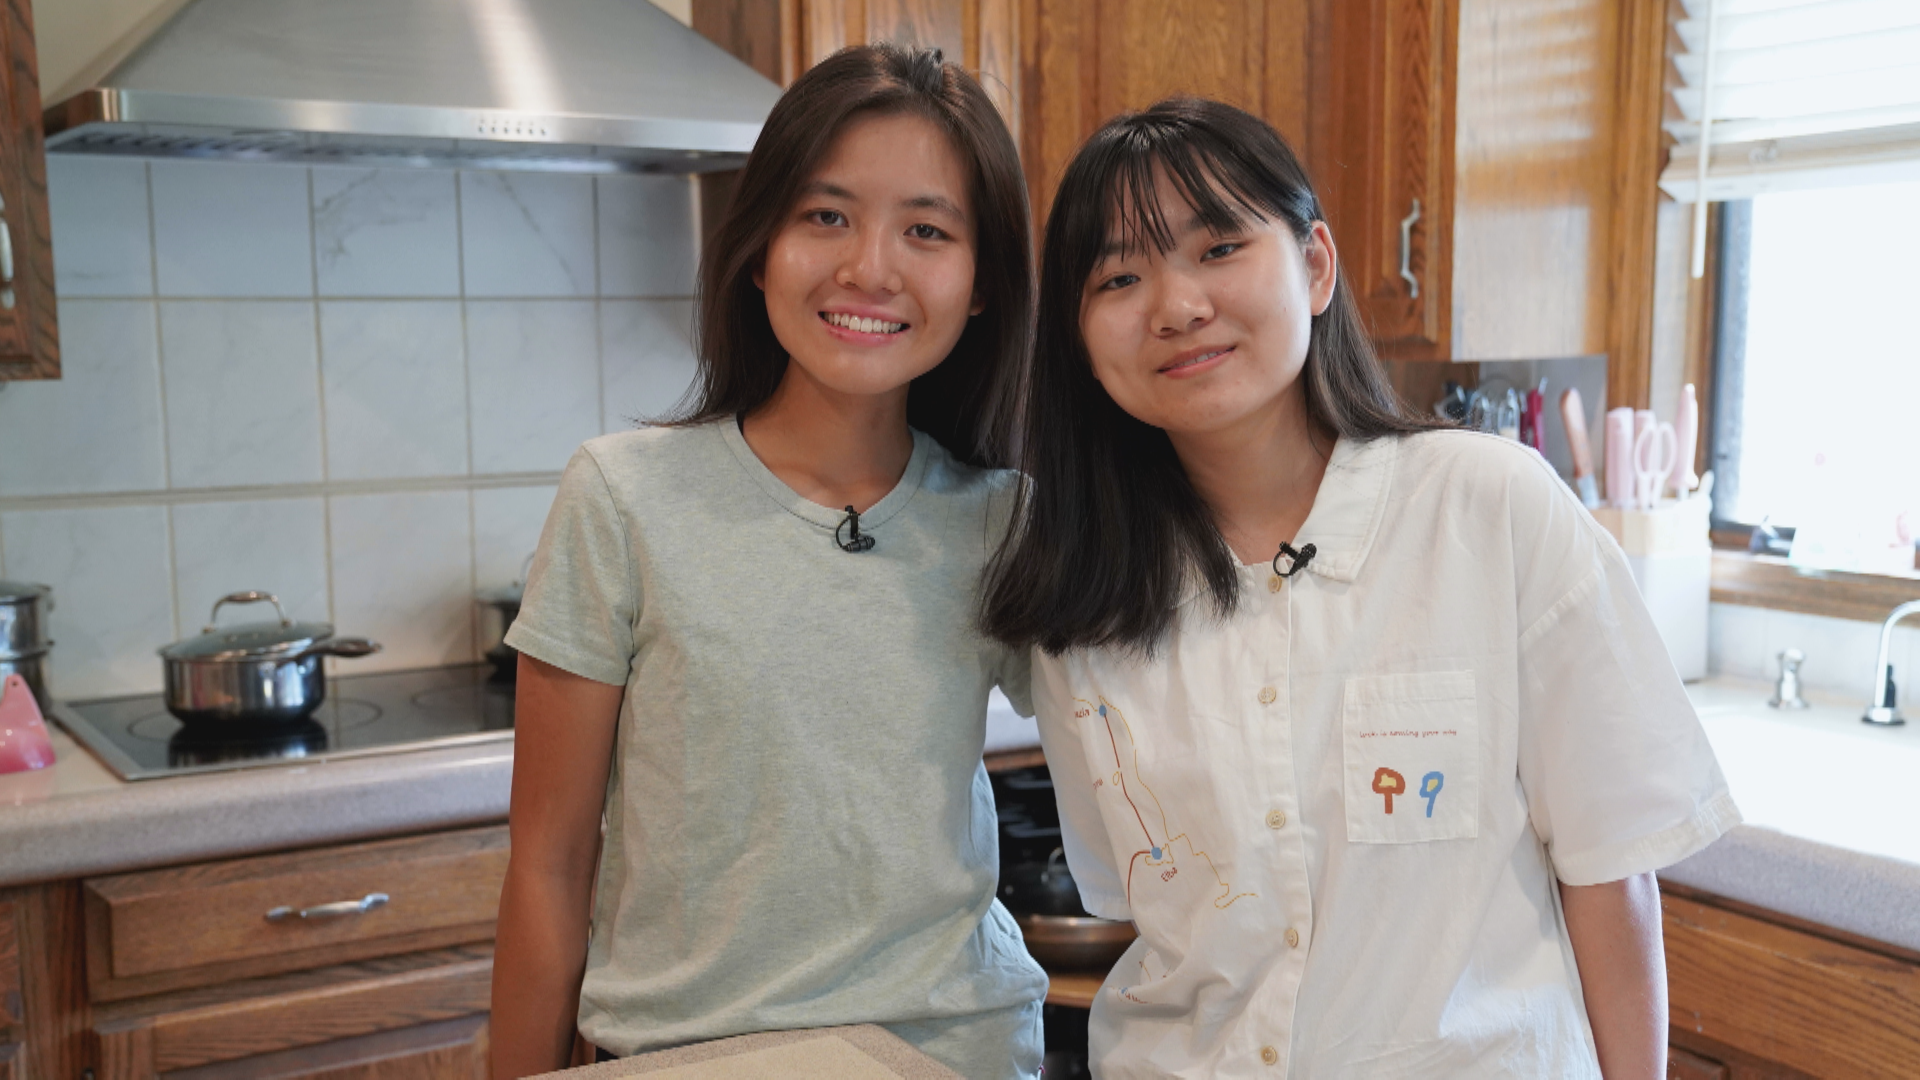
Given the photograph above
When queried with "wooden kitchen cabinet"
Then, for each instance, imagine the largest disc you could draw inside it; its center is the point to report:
(29, 339)
(180, 971)
(1467, 151)
(1760, 996)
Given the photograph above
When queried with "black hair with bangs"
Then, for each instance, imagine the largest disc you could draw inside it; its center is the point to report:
(1110, 532)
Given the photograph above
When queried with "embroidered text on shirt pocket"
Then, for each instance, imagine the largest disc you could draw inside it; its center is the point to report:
(1412, 757)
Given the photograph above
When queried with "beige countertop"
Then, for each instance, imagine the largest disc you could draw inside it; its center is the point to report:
(76, 818)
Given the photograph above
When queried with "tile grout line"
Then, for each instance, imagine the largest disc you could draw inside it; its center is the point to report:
(320, 381)
(466, 385)
(159, 339)
(173, 572)
(599, 317)
(258, 492)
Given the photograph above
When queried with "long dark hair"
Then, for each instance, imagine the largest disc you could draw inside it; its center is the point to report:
(963, 400)
(1111, 534)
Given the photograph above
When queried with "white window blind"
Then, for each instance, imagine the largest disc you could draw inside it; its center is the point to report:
(1793, 94)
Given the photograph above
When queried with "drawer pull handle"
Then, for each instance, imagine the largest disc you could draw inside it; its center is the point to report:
(1406, 250)
(330, 911)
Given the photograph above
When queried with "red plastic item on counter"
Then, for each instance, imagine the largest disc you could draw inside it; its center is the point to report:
(24, 744)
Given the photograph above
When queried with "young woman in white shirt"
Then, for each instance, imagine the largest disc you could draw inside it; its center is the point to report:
(1361, 722)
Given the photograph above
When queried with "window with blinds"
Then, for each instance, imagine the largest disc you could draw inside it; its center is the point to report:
(1792, 94)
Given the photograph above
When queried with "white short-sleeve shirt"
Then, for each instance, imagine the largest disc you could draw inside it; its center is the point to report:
(1337, 816)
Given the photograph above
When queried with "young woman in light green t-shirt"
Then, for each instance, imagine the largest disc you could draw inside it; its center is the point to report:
(747, 638)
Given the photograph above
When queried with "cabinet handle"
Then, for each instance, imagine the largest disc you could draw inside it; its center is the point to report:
(1406, 250)
(6, 254)
(328, 911)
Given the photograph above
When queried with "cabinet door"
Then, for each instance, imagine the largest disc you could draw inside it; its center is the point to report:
(419, 1015)
(29, 346)
(1390, 195)
(1087, 60)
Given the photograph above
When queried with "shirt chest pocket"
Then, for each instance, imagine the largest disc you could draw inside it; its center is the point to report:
(1411, 757)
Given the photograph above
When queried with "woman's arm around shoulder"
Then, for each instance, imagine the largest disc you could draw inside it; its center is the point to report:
(564, 729)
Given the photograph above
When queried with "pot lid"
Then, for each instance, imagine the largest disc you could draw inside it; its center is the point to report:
(11, 591)
(248, 640)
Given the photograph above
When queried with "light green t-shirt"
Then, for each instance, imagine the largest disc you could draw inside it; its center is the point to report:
(800, 832)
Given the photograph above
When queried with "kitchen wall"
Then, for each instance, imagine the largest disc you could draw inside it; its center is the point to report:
(1746, 642)
(354, 388)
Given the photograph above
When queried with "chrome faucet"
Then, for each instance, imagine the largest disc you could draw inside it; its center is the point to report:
(1885, 708)
(1786, 693)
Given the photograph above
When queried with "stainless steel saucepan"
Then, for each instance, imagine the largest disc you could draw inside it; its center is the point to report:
(263, 673)
(23, 635)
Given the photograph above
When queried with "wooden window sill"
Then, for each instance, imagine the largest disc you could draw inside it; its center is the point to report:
(1768, 581)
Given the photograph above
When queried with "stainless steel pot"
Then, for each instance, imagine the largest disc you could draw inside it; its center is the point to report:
(254, 673)
(498, 608)
(23, 619)
(33, 668)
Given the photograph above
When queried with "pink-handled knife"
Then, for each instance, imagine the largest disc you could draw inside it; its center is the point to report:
(1686, 430)
(1574, 415)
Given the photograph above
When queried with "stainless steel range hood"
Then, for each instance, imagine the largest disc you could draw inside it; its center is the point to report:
(578, 85)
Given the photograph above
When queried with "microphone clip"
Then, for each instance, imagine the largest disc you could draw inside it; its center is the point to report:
(1299, 557)
(856, 541)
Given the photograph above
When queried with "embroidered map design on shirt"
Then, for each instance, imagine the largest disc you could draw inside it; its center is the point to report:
(1160, 861)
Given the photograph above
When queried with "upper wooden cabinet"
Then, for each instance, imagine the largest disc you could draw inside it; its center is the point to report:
(29, 342)
(1466, 151)
(1086, 60)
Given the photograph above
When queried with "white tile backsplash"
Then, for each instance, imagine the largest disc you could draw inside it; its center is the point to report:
(527, 234)
(242, 392)
(396, 388)
(229, 230)
(506, 528)
(385, 232)
(102, 239)
(534, 376)
(272, 545)
(403, 576)
(1746, 642)
(388, 289)
(646, 235)
(98, 428)
(646, 359)
(112, 593)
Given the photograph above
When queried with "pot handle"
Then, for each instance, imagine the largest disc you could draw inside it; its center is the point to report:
(251, 596)
(348, 647)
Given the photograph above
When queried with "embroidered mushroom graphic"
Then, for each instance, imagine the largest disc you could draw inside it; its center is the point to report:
(1389, 783)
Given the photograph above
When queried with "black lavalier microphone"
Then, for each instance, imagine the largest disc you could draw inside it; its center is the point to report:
(855, 541)
(1300, 558)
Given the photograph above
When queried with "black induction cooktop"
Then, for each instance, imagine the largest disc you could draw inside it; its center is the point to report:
(363, 714)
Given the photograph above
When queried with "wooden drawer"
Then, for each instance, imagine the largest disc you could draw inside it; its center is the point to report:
(418, 1015)
(161, 930)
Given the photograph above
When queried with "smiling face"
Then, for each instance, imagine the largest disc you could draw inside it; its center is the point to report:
(869, 282)
(1212, 334)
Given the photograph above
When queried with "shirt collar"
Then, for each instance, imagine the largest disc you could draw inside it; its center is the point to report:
(1349, 507)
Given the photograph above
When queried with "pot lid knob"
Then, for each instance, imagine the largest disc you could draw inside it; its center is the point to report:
(251, 596)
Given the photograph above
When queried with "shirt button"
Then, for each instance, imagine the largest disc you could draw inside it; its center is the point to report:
(1268, 695)
(1269, 1055)
(1276, 583)
(1293, 938)
(1276, 819)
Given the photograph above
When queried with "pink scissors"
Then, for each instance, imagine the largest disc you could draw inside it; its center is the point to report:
(1654, 453)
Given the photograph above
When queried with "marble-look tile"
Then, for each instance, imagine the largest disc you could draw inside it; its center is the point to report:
(112, 593)
(396, 388)
(534, 378)
(646, 359)
(527, 234)
(1737, 641)
(647, 230)
(223, 229)
(506, 529)
(97, 428)
(1840, 652)
(403, 576)
(102, 241)
(273, 545)
(385, 232)
(243, 392)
